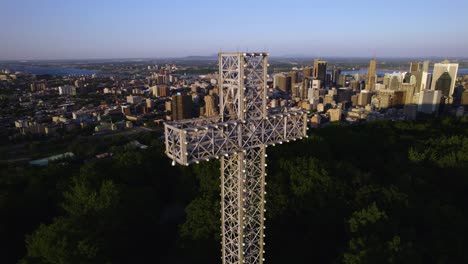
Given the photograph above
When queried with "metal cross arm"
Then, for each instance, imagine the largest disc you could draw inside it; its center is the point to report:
(196, 140)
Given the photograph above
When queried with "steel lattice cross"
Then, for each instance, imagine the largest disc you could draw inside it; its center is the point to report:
(238, 136)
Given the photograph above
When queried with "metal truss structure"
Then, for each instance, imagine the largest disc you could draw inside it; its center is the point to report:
(239, 137)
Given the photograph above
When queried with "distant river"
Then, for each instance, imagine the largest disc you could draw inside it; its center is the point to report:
(461, 71)
(63, 71)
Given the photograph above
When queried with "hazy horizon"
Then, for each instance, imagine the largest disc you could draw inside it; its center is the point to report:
(87, 30)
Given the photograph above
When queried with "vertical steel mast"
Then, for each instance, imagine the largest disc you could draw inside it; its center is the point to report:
(243, 97)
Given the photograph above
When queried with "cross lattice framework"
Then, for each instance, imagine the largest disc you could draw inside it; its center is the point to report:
(239, 137)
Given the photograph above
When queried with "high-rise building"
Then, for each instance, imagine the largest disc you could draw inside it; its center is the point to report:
(354, 100)
(310, 94)
(407, 77)
(344, 95)
(439, 71)
(154, 91)
(429, 101)
(67, 90)
(389, 98)
(168, 105)
(295, 91)
(282, 82)
(414, 66)
(425, 66)
(341, 80)
(429, 81)
(38, 86)
(385, 98)
(425, 81)
(410, 90)
(399, 98)
(294, 77)
(307, 72)
(386, 80)
(160, 90)
(298, 91)
(320, 71)
(307, 82)
(181, 107)
(161, 78)
(364, 98)
(457, 95)
(418, 80)
(371, 76)
(355, 85)
(395, 82)
(276, 80)
(443, 84)
(336, 75)
(418, 75)
(210, 105)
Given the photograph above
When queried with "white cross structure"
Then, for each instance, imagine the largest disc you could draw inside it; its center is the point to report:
(239, 137)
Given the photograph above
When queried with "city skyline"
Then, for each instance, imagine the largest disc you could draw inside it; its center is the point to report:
(56, 30)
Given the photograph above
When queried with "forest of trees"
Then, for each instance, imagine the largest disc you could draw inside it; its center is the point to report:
(382, 192)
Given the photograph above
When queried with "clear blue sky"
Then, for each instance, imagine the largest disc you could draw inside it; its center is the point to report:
(76, 29)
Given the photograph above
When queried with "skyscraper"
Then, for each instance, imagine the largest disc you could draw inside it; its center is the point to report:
(336, 75)
(414, 66)
(371, 76)
(439, 70)
(283, 82)
(443, 84)
(425, 66)
(307, 72)
(320, 71)
(210, 105)
(409, 88)
(420, 75)
(294, 77)
(364, 98)
(344, 95)
(181, 107)
(395, 82)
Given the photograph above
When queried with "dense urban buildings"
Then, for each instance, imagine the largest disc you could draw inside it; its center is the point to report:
(147, 94)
